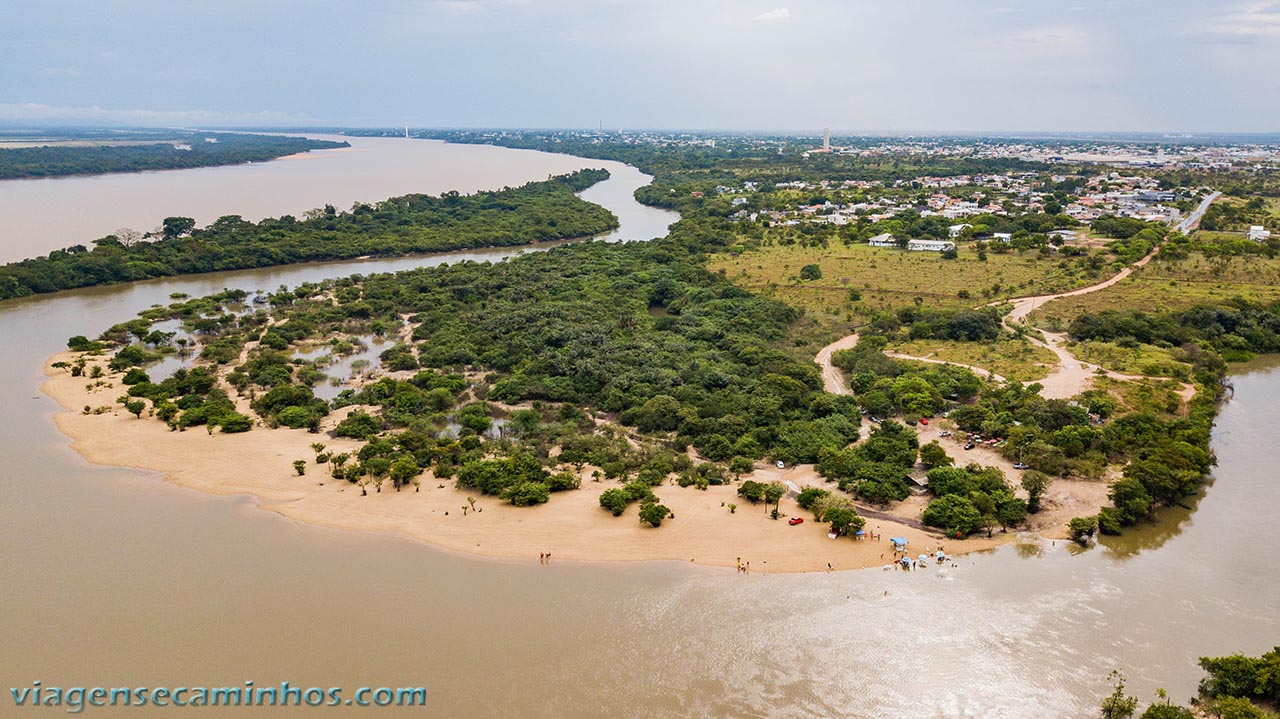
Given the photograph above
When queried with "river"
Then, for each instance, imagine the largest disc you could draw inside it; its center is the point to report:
(113, 577)
(39, 215)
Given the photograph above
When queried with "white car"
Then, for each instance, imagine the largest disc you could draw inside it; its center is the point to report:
(782, 465)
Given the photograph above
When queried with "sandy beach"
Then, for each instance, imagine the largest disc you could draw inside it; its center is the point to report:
(571, 526)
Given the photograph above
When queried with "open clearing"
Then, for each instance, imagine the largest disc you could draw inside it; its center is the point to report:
(1016, 359)
(887, 278)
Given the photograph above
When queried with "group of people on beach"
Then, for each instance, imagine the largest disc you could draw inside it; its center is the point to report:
(743, 567)
(544, 557)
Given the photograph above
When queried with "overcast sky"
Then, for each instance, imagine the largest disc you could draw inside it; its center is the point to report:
(895, 65)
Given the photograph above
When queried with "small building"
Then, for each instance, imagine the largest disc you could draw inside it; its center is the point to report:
(1068, 235)
(883, 239)
(930, 245)
(1004, 237)
(1258, 233)
(955, 230)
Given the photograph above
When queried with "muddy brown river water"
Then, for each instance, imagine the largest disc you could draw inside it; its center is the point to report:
(111, 577)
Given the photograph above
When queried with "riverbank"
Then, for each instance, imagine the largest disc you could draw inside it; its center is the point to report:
(572, 526)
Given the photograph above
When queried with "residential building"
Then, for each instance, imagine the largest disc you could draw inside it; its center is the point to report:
(930, 245)
(884, 239)
(1258, 233)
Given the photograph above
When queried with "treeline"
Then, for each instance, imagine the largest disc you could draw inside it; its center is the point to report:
(196, 151)
(730, 157)
(1236, 687)
(538, 211)
(1237, 329)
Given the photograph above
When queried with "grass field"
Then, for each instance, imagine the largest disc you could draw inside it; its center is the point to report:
(1140, 359)
(1014, 359)
(1172, 285)
(887, 278)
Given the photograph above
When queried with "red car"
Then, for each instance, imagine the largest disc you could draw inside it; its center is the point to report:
(795, 520)
(924, 421)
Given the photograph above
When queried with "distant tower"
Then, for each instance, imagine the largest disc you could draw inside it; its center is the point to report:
(1160, 156)
(826, 140)
(406, 132)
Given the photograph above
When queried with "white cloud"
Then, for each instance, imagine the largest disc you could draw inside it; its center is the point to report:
(1251, 20)
(1061, 38)
(773, 15)
(37, 112)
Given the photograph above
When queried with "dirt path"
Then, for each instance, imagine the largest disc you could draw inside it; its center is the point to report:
(980, 371)
(832, 377)
(1071, 377)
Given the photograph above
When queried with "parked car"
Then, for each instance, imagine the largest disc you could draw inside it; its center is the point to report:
(1019, 465)
(944, 433)
(795, 520)
(924, 421)
(969, 446)
(782, 465)
(911, 422)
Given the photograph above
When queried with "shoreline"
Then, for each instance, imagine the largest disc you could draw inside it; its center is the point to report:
(572, 526)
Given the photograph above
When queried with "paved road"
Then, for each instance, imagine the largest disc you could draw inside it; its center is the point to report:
(1192, 221)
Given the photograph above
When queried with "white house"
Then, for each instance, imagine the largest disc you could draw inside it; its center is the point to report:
(1001, 237)
(955, 230)
(884, 239)
(930, 245)
(1258, 233)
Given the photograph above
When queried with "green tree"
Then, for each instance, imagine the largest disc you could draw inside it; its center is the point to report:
(1166, 709)
(615, 500)
(933, 455)
(809, 496)
(773, 494)
(1082, 528)
(652, 513)
(403, 470)
(173, 227)
(1035, 483)
(300, 466)
(843, 518)
(135, 407)
(1236, 708)
(1117, 704)
(525, 494)
(954, 514)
